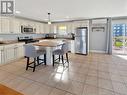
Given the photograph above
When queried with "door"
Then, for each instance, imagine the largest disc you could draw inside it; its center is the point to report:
(119, 39)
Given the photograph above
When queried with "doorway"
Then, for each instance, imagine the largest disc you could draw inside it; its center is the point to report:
(119, 39)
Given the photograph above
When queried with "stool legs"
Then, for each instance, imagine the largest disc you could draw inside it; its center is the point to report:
(45, 59)
(34, 64)
(53, 59)
(67, 58)
(63, 60)
(59, 58)
(28, 59)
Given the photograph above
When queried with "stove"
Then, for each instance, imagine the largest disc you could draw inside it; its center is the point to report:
(27, 39)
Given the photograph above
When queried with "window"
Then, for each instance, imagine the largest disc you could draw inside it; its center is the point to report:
(62, 30)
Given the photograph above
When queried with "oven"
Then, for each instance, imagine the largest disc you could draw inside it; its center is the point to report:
(27, 39)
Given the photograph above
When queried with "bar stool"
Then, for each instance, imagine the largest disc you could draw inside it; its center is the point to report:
(32, 52)
(61, 52)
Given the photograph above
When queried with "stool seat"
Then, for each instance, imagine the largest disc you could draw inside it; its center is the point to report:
(58, 52)
(34, 52)
(61, 52)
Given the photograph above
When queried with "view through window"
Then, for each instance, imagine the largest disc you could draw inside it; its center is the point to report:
(62, 30)
(120, 38)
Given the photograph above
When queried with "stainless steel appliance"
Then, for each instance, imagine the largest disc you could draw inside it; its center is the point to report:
(81, 39)
(27, 39)
(27, 29)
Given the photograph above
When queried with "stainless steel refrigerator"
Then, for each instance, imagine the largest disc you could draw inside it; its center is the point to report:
(81, 40)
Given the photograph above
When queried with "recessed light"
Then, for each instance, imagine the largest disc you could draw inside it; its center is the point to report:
(17, 12)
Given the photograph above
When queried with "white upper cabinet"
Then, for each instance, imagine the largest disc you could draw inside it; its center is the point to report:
(41, 28)
(0, 25)
(5, 25)
(37, 26)
(12, 25)
(15, 26)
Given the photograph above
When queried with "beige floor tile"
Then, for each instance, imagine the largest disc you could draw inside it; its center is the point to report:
(83, 70)
(32, 89)
(119, 87)
(8, 79)
(64, 84)
(90, 90)
(124, 78)
(69, 94)
(77, 77)
(93, 73)
(105, 92)
(104, 75)
(123, 73)
(23, 84)
(117, 78)
(3, 75)
(57, 92)
(15, 82)
(91, 80)
(76, 88)
(54, 79)
(44, 90)
(107, 84)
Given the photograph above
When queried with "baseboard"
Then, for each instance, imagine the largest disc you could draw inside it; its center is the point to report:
(97, 51)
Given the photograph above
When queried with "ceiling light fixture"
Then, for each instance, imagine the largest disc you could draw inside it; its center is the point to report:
(49, 18)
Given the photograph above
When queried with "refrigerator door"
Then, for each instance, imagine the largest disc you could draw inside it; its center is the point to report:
(80, 45)
(80, 32)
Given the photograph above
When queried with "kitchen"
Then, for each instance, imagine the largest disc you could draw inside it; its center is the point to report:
(59, 48)
(16, 24)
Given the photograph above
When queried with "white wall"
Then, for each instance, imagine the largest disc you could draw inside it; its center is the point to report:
(98, 40)
(120, 21)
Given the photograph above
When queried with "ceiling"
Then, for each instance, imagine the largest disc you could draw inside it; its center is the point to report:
(62, 10)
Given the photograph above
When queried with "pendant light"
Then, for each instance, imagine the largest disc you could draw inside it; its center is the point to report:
(49, 18)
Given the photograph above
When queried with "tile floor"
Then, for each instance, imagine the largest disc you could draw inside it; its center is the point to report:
(95, 74)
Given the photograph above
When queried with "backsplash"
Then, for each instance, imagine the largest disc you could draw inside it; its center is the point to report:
(14, 36)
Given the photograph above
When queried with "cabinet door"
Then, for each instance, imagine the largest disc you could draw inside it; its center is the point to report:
(4, 25)
(37, 28)
(19, 50)
(0, 25)
(41, 28)
(16, 26)
(0, 57)
(9, 53)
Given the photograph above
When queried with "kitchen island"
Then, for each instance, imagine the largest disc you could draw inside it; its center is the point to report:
(49, 45)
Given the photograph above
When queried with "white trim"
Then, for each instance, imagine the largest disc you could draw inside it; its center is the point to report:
(97, 51)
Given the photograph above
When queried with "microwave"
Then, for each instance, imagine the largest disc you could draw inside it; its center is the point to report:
(27, 29)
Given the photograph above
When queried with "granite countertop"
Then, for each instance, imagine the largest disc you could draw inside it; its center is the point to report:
(2, 43)
(7, 42)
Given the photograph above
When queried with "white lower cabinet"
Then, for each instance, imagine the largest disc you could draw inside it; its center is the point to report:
(19, 50)
(11, 52)
(1, 55)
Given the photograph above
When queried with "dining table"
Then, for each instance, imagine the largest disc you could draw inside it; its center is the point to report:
(49, 45)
